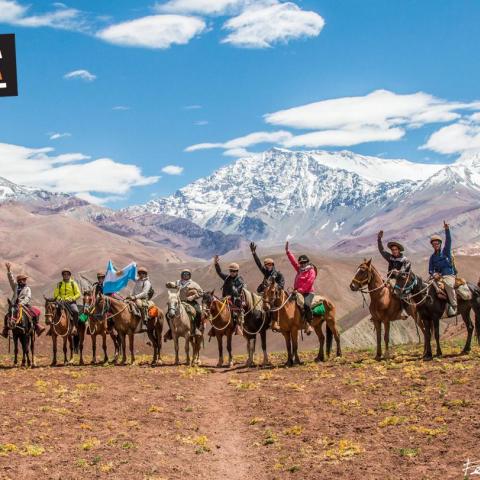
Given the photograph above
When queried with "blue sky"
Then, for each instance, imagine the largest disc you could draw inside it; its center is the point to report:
(144, 105)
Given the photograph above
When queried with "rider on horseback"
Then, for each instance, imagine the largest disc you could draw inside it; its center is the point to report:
(190, 292)
(98, 285)
(268, 270)
(22, 294)
(68, 293)
(397, 262)
(142, 293)
(233, 285)
(441, 266)
(304, 280)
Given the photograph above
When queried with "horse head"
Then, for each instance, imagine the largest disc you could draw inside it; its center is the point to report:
(173, 304)
(270, 294)
(51, 308)
(362, 277)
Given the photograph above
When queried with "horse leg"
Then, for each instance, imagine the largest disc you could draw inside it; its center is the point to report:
(229, 350)
(104, 347)
(263, 339)
(288, 343)
(187, 349)
(94, 348)
(153, 341)
(436, 328)
(32, 349)
(469, 325)
(175, 343)
(54, 348)
(427, 350)
(82, 340)
(25, 356)
(15, 349)
(378, 330)
(321, 339)
(159, 327)
(131, 337)
(249, 352)
(386, 338)
(65, 339)
(296, 358)
(116, 343)
(123, 346)
(220, 350)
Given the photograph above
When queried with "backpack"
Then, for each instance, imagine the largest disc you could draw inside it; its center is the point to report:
(151, 292)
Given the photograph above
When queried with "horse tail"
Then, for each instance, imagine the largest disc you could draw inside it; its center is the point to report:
(329, 339)
(76, 343)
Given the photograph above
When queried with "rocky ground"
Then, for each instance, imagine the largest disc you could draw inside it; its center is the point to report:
(347, 418)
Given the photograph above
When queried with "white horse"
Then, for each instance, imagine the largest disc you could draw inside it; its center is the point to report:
(180, 325)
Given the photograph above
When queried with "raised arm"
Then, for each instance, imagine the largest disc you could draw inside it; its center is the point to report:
(222, 275)
(382, 251)
(447, 249)
(292, 259)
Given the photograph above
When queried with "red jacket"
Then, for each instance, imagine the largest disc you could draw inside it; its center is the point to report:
(305, 277)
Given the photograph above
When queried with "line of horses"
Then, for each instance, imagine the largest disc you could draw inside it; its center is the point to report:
(108, 316)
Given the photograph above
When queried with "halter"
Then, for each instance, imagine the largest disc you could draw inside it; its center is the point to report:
(366, 282)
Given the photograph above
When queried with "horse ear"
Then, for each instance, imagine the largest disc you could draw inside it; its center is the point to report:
(212, 292)
(369, 262)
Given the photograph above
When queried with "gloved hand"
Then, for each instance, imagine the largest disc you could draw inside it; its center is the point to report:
(253, 247)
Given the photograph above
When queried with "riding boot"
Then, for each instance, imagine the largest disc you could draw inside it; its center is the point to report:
(307, 317)
(75, 326)
(39, 329)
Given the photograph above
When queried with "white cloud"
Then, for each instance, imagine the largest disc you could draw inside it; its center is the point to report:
(381, 108)
(156, 31)
(80, 74)
(193, 107)
(14, 13)
(459, 137)
(344, 138)
(207, 7)
(172, 170)
(70, 173)
(57, 135)
(201, 123)
(380, 116)
(244, 142)
(120, 108)
(261, 26)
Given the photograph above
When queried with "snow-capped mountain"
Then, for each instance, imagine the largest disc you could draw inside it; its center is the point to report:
(12, 191)
(324, 198)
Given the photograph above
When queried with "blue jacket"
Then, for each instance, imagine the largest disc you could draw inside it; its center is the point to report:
(441, 262)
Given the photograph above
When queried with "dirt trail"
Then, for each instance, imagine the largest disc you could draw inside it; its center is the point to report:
(230, 446)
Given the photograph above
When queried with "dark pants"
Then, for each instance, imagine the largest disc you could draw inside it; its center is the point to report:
(307, 308)
(198, 313)
(73, 309)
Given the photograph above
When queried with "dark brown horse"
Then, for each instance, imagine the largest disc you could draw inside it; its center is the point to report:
(218, 313)
(384, 307)
(61, 325)
(126, 324)
(99, 326)
(21, 325)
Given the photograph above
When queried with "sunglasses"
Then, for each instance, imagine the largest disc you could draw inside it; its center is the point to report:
(233, 271)
(268, 264)
(302, 263)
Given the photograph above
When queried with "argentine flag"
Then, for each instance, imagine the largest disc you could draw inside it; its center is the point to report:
(116, 280)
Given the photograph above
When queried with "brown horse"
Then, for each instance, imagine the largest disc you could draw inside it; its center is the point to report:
(286, 315)
(126, 323)
(219, 314)
(384, 307)
(61, 325)
(99, 326)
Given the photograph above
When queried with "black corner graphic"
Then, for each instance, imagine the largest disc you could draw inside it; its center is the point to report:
(8, 66)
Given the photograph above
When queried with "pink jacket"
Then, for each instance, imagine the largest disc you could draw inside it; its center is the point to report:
(305, 277)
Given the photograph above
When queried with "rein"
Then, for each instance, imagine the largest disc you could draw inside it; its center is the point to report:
(224, 304)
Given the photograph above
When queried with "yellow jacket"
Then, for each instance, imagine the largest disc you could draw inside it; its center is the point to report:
(67, 291)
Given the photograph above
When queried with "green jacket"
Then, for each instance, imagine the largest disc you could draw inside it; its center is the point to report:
(67, 291)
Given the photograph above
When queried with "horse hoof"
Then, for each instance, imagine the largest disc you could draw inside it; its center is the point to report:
(159, 362)
(427, 358)
(288, 364)
(230, 364)
(465, 352)
(378, 358)
(320, 359)
(219, 364)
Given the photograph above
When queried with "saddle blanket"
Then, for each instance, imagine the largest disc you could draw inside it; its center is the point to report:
(317, 300)
(461, 288)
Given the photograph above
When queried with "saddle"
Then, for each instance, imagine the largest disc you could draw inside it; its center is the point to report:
(318, 300)
(189, 309)
(461, 287)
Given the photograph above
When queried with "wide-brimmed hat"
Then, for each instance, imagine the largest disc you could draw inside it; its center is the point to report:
(142, 270)
(100, 274)
(268, 260)
(436, 238)
(186, 270)
(303, 258)
(234, 266)
(66, 270)
(21, 276)
(395, 244)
